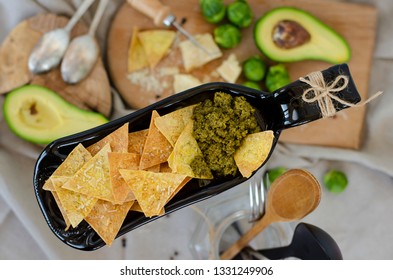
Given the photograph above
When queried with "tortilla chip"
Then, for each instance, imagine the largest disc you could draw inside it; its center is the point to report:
(136, 141)
(136, 207)
(253, 151)
(230, 69)
(130, 197)
(118, 141)
(185, 151)
(62, 210)
(59, 181)
(157, 148)
(75, 205)
(152, 190)
(182, 184)
(164, 168)
(137, 58)
(182, 82)
(156, 44)
(93, 179)
(195, 57)
(106, 219)
(155, 168)
(171, 125)
(74, 161)
(121, 161)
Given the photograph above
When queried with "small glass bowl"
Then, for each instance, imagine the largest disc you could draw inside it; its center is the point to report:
(226, 217)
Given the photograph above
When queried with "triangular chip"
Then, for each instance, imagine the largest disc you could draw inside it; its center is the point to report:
(182, 82)
(186, 150)
(137, 58)
(157, 148)
(69, 203)
(154, 168)
(93, 178)
(106, 219)
(253, 151)
(136, 207)
(182, 184)
(118, 141)
(130, 197)
(156, 44)
(171, 125)
(152, 190)
(230, 69)
(74, 161)
(136, 141)
(62, 210)
(121, 161)
(164, 168)
(76, 206)
(195, 57)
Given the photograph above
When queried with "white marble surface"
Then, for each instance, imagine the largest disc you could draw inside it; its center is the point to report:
(359, 219)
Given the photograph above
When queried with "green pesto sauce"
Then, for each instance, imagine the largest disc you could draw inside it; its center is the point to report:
(220, 125)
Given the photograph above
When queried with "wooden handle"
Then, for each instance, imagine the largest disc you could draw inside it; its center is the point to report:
(246, 238)
(151, 8)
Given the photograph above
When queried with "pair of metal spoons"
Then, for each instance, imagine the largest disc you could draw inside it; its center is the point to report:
(77, 57)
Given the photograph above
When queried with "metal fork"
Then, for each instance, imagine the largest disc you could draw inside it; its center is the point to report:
(258, 186)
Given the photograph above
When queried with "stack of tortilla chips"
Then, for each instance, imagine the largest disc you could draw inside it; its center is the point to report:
(137, 171)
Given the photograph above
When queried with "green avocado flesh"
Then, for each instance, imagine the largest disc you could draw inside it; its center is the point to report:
(323, 43)
(39, 115)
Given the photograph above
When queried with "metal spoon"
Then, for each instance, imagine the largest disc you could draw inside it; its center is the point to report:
(82, 52)
(49, 50)
(308, 243)
(291, 197)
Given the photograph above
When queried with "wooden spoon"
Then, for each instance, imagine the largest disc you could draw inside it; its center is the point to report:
(291, 197)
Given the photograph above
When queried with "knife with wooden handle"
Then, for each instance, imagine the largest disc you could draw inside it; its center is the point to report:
(162, 16)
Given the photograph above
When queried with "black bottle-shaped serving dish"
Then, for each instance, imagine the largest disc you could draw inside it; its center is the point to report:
(276, 111)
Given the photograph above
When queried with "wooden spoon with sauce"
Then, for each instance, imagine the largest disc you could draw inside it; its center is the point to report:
(291, 197)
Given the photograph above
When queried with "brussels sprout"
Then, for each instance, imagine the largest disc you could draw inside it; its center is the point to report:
(277, 76)
(274, 173)
(254, 68)
(213, 10)
(335, 181)
(240, 14)
(252, 84)
(227, 36)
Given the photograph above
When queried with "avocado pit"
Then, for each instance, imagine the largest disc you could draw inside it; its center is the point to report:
(33, 109)
(288, 34)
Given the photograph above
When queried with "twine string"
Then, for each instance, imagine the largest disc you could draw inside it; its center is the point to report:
(324, 93)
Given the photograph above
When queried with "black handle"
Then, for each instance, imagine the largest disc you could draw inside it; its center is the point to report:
(297, 112)
(278, 253)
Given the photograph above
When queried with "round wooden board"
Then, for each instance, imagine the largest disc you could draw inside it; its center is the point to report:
(348, 19)
(92, 93)
(120, 34)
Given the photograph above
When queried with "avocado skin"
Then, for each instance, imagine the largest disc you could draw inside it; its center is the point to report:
(326, 44)
(73, 118)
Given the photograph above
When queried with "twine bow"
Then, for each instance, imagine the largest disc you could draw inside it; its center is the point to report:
(325, 94)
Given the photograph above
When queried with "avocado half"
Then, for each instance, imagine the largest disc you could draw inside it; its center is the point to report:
(39, 115)
(323, 43)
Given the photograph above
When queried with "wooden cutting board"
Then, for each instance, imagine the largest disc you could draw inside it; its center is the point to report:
(92, 93)
(355, 22)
